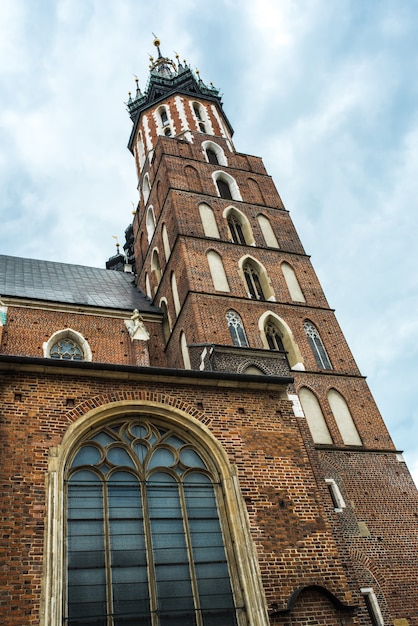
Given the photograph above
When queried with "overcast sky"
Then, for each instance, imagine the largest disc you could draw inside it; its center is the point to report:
(325, 91)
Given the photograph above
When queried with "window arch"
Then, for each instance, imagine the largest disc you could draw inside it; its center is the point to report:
(210, 227)
(147, 286)
(214, 153)
(239, 227)
(317, 347)
(267, 230)
(146, 188)
(67, 345)
(150, 223)
(255, 279)
(144, 529)
(166, 319)
(175, 293)
(292, 283)
(217, 271)
(294, 355)
(140, 149)
(164, 121)
(200, 116)
(236, 328)
(226, 186)
(155, 266)
(193, 178)
(166, 242)
(342, 415)
(314, 416)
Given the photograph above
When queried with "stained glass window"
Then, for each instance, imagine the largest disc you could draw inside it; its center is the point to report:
(66, 349)
(144, 539)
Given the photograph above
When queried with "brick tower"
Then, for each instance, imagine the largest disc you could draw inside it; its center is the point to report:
(187, 440)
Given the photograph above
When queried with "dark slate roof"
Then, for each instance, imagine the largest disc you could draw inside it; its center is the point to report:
(70, 284)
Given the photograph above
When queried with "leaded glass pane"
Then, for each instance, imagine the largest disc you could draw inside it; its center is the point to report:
(122, 562)
(66, 349)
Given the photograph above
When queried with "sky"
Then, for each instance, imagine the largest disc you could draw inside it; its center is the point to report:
(326, 92)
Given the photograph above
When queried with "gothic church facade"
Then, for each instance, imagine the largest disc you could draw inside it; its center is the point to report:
(185, 436)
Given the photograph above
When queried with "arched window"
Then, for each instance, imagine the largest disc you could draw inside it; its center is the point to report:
(200, 116)
(146, 188)
(274, 337)
(217, 271)
(272, 329)
(175, 293)
(214, 153)
(166, 319)
(147, 286)
(164, 121)
(66, 349)
(226, 186)
(144, 537)
(67, 345)
(239, 226)
(252, 279)
(210, 227)
(292, 283)
(166, 243)
(155, 266)
(267, 230)
(150, 223)
(185, 351)
(314, 416)
(317, 346)
(236, 328)
(343, 418)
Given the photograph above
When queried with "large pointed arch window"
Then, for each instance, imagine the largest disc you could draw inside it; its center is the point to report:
(144, 540)
(318, 349)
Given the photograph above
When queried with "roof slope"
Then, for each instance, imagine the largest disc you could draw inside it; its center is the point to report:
(70, 284)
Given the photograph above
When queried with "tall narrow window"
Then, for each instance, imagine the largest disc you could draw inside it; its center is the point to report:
(236, 328)
(185, 351)
(155, 266)
(150, 223)
(235, 228)
(274, 337)
(144, 539)
(175, 293)
(317, 346)
(164, 117)
(252, 278)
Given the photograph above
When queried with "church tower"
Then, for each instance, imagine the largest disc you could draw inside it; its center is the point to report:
(217, 251)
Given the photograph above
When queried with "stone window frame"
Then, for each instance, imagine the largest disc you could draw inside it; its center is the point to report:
(294, 355)
(372, 605)
(242, 555)
(250, 262)
(67, 333)
(336, 496)
(230, 181)
(247, 233)
(216, 148)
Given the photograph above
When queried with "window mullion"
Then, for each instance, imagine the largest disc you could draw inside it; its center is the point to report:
(192, 569)
(108, 569)
(152, 585)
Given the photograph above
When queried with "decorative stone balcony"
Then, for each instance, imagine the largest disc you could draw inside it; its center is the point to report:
(218, 358)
